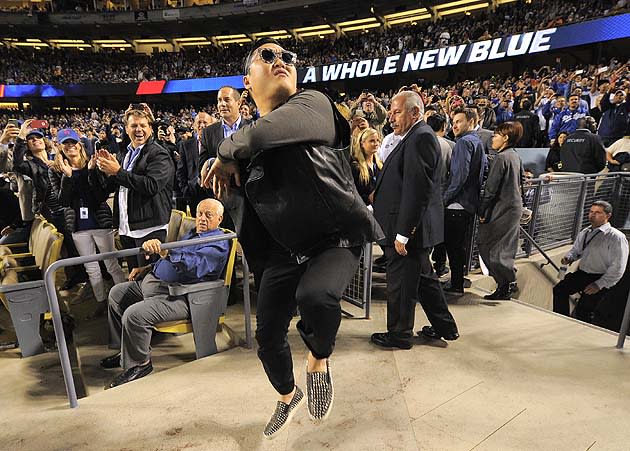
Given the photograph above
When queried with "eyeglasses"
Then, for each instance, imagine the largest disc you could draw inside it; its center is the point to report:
(269, 56)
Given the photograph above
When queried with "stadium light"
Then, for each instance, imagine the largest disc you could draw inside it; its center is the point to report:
(362, 27)
(411, 12)
(316, 33)
(273, 34)
(464, 9)
(235, 41)
(110, 41)
(189, 39)
(457, 3)
(315, 27)
(151, 41)
(67, 41)
(354, 22)
(189, 44)
(230, 36)
(409, 19)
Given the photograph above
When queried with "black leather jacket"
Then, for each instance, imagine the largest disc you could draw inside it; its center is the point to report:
(299, 183)
(150, 184)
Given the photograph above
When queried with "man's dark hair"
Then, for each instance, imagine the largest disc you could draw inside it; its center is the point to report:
(588, 123)
(259, 43)
(605, 206)
(526, 104)
(471, 113)
(436, 122)
(235, 94)
(574, 95)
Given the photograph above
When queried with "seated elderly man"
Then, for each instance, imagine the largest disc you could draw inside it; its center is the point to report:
(135, 307)
(603, 254)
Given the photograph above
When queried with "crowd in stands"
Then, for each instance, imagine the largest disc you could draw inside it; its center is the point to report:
(548, 101)
(48, 65)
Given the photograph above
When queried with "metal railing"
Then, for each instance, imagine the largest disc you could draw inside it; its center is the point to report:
(49, 282)
(359, 291)
(560, 207)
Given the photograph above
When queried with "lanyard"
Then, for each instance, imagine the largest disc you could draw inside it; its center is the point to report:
(587, 242)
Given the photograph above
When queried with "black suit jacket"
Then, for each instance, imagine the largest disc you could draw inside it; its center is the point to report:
(211, 137)
(407, 199)
(188, 168)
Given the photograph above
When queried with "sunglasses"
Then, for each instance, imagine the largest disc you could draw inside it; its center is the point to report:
(269, 56)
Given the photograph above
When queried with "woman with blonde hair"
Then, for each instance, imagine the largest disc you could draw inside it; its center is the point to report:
(87, 216)
(366, 165)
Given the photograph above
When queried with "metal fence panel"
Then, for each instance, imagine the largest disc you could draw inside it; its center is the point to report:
(359, 291)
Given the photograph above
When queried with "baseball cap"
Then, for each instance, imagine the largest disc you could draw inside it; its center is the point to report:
(35, 132)
(66, 134)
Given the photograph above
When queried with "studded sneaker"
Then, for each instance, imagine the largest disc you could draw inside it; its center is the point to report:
(320, 393)
(283, 414)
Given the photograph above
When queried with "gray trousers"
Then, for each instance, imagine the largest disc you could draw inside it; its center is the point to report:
(133, 309)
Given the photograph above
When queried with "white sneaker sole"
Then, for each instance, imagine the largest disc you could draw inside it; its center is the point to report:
(289, 418)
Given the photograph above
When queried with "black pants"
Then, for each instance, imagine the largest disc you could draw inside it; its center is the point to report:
(315, 287)
(457, 231)
(409, 278)
(574, 282)
(135, 261)
(439, 255)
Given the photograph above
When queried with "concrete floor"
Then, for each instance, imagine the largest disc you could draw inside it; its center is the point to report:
(518, 379)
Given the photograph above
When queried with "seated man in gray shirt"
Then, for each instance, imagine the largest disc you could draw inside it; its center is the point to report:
(135, 307)
(603, 254)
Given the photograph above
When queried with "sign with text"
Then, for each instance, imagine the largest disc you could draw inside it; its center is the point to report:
(529, 43)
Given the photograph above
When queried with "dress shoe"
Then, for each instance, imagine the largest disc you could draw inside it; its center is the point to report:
(502, 293)
(131, 374)
(430, 332)
(386, 340)
(113, 361)
(454, 291)
(441, 270)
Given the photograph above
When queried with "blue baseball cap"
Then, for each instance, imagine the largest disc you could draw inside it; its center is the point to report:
(66, 134)
(35, 132)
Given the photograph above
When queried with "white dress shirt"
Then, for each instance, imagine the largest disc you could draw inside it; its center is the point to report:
(603, 250)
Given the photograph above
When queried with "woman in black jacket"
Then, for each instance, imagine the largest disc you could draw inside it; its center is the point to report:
(87, 216)
(366, 165)
(30, 158)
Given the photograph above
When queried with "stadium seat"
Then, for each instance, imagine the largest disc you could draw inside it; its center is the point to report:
(28, 301)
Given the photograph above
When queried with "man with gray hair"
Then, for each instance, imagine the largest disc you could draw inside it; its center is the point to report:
(408, 206)
(603, 254)
(136, 307)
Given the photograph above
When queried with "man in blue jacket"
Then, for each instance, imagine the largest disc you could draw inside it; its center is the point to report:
(615, 117)
(469, 164)
(135, 307)
(566, 120)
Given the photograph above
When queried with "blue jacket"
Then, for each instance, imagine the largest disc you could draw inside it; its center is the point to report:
(469, 166)
(615, 118)
(566, 121)
(194, 263)
(503, 115)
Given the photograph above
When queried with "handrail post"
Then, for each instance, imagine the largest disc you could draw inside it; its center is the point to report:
(625, 325)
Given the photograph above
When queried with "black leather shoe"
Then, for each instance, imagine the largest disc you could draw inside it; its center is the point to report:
(113, 361)
(430, 332)
(385, 340)
(454, 291)
(441, 270)
(131, 374)
(502, 293)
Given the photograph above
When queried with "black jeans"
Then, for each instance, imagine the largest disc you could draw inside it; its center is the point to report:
(573, 282)
(135, 261)
(457, 231)
(315, 287)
